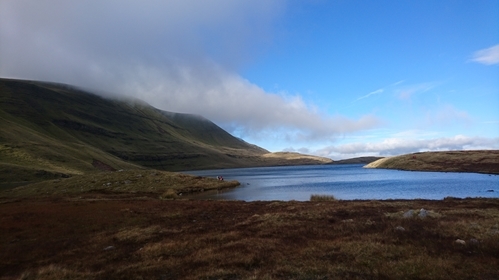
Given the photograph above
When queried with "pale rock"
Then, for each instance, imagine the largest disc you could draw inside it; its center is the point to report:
(399, 228)
(460, 241)
(473, 242)
(409, 214)
(422, 213)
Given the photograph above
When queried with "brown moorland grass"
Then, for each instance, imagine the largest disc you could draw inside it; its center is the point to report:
(478, 161)
(322, 197)
(67, 237)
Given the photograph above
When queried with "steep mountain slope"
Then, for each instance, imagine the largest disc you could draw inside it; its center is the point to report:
(50, 130)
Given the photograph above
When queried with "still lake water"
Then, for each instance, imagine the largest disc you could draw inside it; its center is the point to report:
(349, 181)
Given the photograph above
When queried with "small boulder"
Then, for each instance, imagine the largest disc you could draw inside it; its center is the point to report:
(422, 213)
(370, 223)
(409, 214)
(399, 228)
(473, 242)
(460, 242)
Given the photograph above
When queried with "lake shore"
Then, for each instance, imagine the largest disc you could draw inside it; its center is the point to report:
(104, 237)
(349, 181)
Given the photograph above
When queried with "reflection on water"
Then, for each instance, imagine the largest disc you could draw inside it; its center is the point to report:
(348, 182)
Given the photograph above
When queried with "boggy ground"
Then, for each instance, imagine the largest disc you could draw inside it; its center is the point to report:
(94, 237)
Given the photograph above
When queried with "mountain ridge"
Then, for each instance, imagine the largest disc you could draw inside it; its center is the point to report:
(50, 130)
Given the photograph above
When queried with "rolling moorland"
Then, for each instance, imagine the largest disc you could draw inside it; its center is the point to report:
(91, 203)
(484, 161)
(99, 235)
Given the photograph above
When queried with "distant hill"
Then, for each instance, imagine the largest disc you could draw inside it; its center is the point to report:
(480, 161)
(50, 130)
(357, 160)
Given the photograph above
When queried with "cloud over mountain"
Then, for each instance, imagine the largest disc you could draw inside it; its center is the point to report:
(180, 56)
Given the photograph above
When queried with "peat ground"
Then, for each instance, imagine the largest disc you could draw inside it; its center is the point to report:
(103, 236)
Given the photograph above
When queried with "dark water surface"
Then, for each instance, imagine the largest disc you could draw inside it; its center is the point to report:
(349, 181)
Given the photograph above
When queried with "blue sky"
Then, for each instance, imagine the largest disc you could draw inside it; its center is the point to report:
(332, 78)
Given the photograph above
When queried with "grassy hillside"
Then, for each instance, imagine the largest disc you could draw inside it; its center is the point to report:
(50, 130)
(484, 161)
(284, 158)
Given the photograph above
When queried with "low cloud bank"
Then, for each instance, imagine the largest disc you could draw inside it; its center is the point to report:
(398, 146)
(238, 105)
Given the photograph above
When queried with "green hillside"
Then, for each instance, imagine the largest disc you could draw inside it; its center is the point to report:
(50, 130)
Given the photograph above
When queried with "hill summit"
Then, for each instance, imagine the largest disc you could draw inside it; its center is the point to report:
(50, 130)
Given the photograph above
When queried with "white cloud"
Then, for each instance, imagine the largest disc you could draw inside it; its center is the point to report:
(241, 106)
(487, 56)
(397, 146)
(180, 56)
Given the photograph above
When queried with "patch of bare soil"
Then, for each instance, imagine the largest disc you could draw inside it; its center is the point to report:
(99, 238)
(102, 166)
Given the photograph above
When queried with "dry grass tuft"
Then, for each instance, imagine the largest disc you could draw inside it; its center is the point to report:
(322, 197)
(135, 234)
(53, 272)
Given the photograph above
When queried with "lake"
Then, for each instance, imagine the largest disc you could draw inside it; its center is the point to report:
(349, 181)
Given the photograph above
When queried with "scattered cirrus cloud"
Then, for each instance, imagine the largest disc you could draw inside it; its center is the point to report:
(488, 56)
(379, 91)
(406, 92)
(369, 94)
